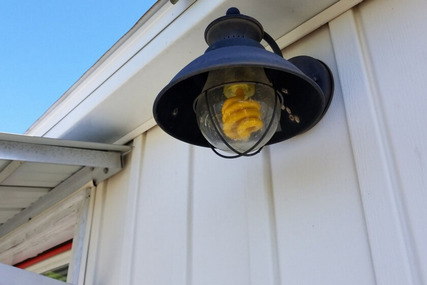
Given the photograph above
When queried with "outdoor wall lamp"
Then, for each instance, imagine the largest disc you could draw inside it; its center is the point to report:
(238, 97)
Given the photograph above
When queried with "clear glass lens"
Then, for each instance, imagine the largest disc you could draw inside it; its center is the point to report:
(238, 115)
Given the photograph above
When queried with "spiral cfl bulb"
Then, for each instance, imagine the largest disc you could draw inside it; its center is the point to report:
(241, 116)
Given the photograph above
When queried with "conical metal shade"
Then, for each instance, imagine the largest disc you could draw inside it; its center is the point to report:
(303, 98)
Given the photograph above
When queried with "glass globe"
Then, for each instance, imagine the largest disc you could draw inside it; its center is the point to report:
(239, 117)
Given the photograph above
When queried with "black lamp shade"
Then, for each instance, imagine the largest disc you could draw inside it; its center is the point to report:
(304, 99)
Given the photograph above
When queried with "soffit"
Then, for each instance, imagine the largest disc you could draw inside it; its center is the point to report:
(37, 172)
(117, 99)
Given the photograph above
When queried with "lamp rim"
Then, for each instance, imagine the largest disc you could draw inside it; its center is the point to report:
(195, 73)
(305, 83)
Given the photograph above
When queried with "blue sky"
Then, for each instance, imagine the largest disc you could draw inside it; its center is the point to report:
(47, 45)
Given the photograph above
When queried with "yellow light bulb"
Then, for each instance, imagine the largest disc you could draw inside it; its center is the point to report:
(240, 116)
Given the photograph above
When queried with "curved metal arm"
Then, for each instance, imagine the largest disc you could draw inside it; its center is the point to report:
(272, 43)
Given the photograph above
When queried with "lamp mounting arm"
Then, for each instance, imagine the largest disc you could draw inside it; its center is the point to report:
(272, 43)
(319, 73)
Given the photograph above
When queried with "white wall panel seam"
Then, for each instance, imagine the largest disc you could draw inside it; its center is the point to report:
(86, 238)
(189, 252)
(357, 175)
(95, 234)
(79, 250)
(160, 254)
(393, 173)
(386, 223)
(272, 213)
(135, 165)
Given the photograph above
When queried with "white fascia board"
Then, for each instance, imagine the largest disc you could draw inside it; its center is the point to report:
(150, 44)
(43, 150)
(137, 68)
(58, 155)
(62, 143)
(161, 15)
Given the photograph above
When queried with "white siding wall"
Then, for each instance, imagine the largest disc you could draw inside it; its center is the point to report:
(380, 49)
(342, 204)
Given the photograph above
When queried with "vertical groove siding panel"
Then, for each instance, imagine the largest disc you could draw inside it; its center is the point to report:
(107, 239)
(379, 177)
(109, 256)
(293, 214)
(92, 264)
(320, 224)
(397, 48)
(135, 168)
(232, 241)
(160, 250)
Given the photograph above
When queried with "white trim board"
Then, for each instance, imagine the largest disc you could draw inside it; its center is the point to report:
(316, 22)
(391, 248)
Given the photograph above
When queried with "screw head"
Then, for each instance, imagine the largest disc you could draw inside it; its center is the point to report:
(175, 112)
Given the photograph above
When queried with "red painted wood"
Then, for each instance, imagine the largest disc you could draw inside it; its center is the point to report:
(45, 255)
